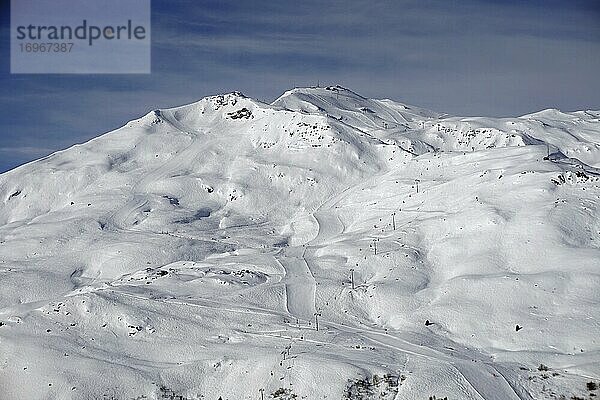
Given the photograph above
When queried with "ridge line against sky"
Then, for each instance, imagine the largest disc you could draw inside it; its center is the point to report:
(470, 57)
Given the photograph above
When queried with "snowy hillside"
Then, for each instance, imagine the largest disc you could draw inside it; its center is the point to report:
(324, 246)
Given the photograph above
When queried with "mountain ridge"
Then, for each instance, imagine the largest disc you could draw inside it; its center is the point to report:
(201, 245)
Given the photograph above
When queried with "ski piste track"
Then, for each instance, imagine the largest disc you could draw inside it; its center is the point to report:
(300, 287)
(484, 379)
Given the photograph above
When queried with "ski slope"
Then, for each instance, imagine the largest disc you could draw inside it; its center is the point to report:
(323, 246)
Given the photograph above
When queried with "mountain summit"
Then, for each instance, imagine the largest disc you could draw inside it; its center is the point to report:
(325, 245)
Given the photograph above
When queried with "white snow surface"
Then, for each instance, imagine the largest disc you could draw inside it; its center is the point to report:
(190, 254)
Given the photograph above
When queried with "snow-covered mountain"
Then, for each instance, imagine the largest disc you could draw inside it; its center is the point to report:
(323, 246)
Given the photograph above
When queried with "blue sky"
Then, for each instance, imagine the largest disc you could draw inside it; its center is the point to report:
(467, 57)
